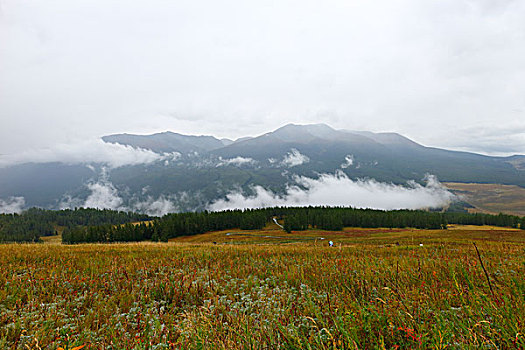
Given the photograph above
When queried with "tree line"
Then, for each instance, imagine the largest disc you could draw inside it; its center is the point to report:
(21, 228)
(501, 220)
(334, 219)
(85, 216)
(169, 226)
(103, 225)
(295, 219)
(34, 223)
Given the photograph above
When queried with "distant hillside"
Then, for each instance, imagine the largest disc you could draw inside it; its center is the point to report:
(517, 161)
(208, 168)
(384, 156)
(492, 198)
(167, 142)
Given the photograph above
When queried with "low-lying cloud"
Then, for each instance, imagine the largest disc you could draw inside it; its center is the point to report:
(339, 190)
(294, 158)
(170, 157)
(88, 151)
(155, 206)
(237, 161)
(104, 195)
(12, 205)
(349, 161)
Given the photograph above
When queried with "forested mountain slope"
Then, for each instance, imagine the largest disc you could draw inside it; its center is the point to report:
(202, 169)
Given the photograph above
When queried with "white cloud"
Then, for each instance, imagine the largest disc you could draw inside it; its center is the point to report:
(88, 151)
(339, 190)
(155, 207)
(12, 205)
(237, 161)
(505, 139)
(170, 157)
(194, 67)
(294, 158)
(69, 202)
(103, 196)
(349, 161)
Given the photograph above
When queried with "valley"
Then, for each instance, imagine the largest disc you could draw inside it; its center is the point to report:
(260, 175)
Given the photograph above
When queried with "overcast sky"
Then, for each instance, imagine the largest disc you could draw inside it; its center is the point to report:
(447, 73)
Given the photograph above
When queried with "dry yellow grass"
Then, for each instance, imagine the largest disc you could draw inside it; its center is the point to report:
(492, 198)
(52, 239)
(482, 228)
(351, 236)
(366, 293)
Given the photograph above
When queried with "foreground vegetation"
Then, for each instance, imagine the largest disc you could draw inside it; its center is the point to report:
(378, 288)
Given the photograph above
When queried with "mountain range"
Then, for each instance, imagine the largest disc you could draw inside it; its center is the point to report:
(193, 171)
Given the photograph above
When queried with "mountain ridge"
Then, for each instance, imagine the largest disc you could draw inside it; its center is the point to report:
(204, 168)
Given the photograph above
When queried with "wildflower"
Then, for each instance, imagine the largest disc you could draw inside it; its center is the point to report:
(75, 348)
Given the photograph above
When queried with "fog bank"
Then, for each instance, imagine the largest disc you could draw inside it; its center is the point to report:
(85, 152)
(12, 205)
(339, 190)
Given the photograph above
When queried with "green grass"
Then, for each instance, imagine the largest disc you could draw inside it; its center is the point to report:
(259, 293)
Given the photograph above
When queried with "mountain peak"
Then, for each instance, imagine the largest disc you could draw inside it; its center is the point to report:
(306, 132)
(309, 127)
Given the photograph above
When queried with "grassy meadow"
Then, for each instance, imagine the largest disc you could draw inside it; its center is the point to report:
(491, 198)
(375, 289)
